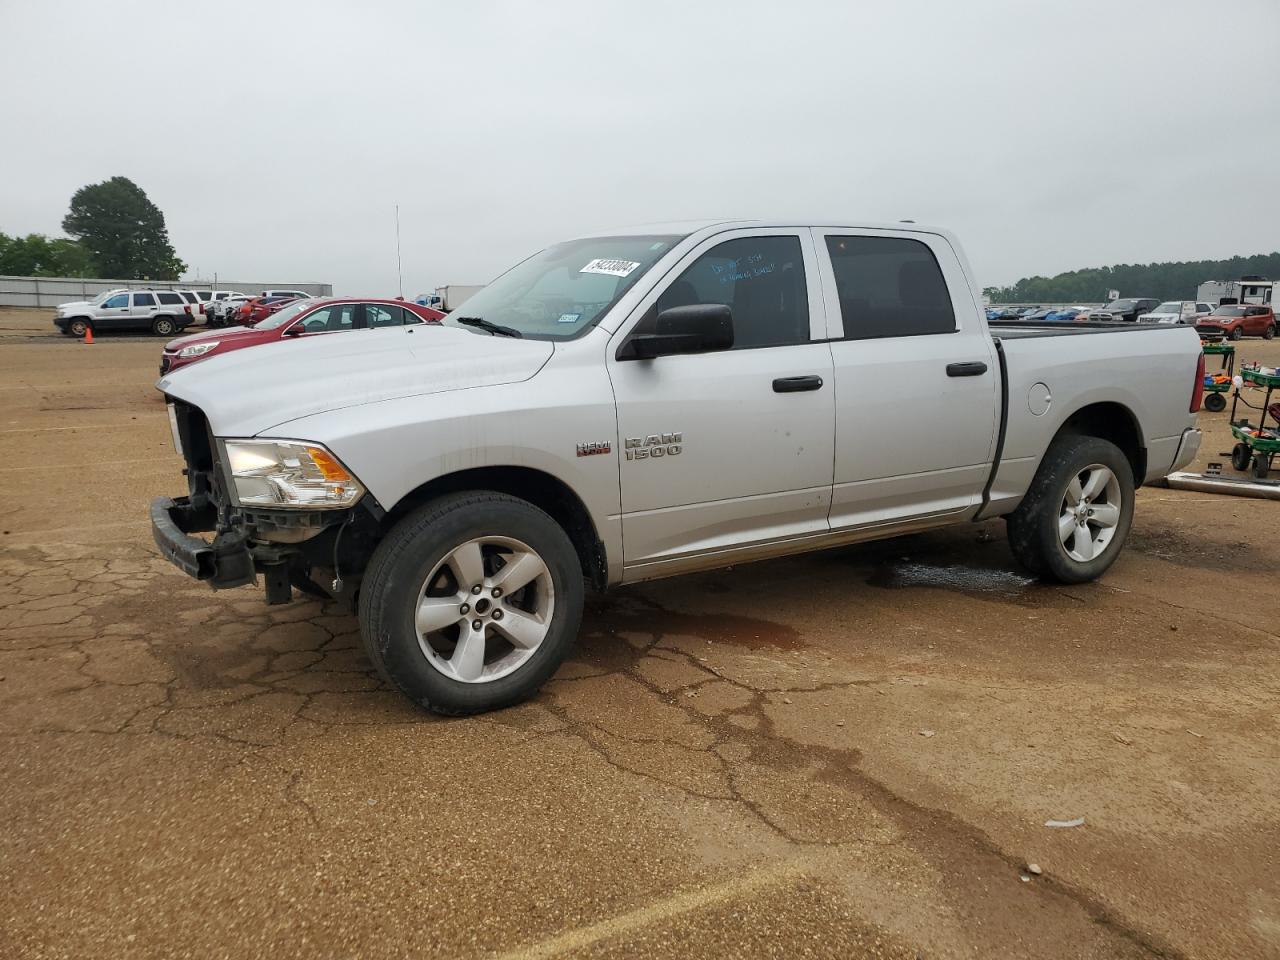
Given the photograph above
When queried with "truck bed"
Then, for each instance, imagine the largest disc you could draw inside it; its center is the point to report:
(1022, 329)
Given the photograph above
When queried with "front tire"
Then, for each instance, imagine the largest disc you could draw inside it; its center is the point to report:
(1237, 333)
(77, 327)
(1073, 522)
(471, 602)
(163, 327)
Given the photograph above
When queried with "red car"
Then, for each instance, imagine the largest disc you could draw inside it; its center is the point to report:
(298, 318)
(1236, 320)
(259, 308)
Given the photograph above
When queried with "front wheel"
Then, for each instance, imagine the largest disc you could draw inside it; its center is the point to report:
(77, 327)
(1215, 403)
(1237, 333)
(163, 327)
(471, 602)
(1072, 523)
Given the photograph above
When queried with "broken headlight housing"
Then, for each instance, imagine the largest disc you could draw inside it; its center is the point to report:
(288, 473)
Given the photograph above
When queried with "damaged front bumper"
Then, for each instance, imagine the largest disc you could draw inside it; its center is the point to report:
(225, 562)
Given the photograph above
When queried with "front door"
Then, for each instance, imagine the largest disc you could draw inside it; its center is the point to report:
(112, 313)
(727, 452)
(916, 378)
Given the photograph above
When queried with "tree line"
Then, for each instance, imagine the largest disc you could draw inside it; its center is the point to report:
(116, 232)
(1164, 281)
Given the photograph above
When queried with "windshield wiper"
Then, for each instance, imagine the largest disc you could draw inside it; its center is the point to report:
(494, 328)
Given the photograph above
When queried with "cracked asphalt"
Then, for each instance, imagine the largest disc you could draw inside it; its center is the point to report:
(845, 754)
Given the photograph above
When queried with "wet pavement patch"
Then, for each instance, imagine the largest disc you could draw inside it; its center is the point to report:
(970, 580)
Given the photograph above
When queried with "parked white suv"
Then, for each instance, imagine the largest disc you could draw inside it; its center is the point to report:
(297, 294)
(163, 312)
(1177, 311)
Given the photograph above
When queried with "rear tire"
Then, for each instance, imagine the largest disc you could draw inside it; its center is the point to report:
(1261, 467)
(1215, 403)
(432, 580)
(1076, 515)
(1269, 333)
(1240, 457)
(163, 327)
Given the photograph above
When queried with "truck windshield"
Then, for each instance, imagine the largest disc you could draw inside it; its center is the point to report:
(1169, 306)
(1121, 304)
(558, 293)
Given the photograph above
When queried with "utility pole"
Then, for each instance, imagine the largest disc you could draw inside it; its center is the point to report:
(399, 274)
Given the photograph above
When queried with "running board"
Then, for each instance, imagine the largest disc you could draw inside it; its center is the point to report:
(1259, 489)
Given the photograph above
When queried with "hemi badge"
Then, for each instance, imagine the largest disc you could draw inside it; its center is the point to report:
(591, 449)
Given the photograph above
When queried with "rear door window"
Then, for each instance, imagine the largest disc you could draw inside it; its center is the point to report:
(169, 298)
(889, 287)
(143, 300)
(381, 315)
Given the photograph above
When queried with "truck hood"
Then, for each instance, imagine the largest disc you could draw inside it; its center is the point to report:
(247, 392)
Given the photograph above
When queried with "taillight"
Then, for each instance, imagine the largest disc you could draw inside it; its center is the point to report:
(1197, 392)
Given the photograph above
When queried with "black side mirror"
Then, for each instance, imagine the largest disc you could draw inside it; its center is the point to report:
(296, 330)
(697, 328)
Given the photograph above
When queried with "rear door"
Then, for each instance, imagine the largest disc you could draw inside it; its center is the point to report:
(916, 379)
(727, 452)
(142, 307)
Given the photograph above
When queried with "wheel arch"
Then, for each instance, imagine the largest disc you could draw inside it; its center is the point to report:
(545, 491)
(1112, 421)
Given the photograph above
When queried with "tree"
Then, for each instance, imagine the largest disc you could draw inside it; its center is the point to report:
(123, 231)
(35, 255)
(1164, 281)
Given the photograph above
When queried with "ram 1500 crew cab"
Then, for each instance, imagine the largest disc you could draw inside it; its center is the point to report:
(645, 403)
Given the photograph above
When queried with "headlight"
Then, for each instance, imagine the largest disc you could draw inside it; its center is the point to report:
(197, 349)
(281, 473)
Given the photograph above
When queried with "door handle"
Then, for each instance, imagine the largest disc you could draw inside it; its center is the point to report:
(974, 368)
(796, 384)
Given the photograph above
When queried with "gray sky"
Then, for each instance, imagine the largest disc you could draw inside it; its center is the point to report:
(1049, 135)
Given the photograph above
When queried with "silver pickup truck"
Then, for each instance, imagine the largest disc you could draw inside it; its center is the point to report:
(650, 402)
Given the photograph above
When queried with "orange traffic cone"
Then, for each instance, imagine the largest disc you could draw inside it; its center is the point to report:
(88, 334)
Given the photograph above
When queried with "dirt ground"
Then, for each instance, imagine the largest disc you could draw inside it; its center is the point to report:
(845, 754)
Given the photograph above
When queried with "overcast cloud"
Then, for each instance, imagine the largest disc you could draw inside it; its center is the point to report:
(277, 138)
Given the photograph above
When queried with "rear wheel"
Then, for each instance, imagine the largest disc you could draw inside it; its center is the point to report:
(471, 603)
(77, 327)
(163, 327)
(1072, 523)
(1269, 333)
(1215, 403)
(1240, 457)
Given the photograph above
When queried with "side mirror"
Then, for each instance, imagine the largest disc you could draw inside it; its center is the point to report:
(296, 330)
(697, 328)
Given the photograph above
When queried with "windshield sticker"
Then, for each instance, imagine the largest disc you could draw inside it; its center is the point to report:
(568, 318)
(612, 268)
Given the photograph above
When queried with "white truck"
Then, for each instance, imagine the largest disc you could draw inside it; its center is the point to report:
(641, 404)
(448, 298)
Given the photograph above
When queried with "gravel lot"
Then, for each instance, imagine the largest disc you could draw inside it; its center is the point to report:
(846, 754)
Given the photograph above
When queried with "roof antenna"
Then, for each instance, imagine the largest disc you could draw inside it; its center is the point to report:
(906, 221)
